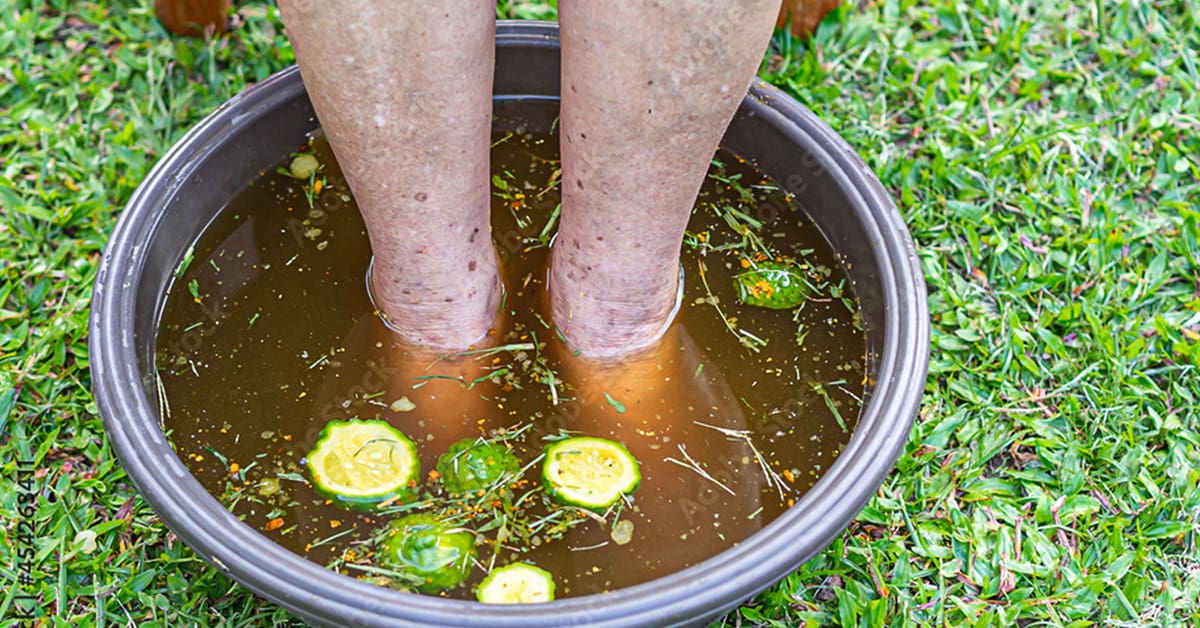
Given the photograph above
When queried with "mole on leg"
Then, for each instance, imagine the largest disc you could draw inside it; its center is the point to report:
(403, 91)
(648, 88)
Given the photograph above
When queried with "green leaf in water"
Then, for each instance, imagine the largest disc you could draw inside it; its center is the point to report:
(620, 407)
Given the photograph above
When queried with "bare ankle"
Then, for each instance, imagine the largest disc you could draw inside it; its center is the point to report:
(625, 319)
(440, 318)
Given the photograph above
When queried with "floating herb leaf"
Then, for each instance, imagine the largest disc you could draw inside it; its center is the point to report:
(617, 405)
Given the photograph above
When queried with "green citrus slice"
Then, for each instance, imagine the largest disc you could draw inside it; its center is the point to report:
(435, 556)
(518, 583)
(774, 285)
(589, 472)
(471, 464)
(361, 463)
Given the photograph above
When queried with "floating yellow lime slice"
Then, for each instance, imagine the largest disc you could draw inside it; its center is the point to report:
(589, 472)
(361, 463)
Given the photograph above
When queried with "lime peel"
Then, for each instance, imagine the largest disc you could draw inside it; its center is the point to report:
(471, 464)
(425, 549)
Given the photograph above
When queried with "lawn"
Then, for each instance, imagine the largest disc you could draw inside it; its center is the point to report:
(1046, 157)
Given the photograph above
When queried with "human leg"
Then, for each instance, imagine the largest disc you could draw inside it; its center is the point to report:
(403, 91)
(649, 87)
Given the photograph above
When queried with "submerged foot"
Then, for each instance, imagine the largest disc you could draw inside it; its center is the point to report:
(423, 392)
(675, 413)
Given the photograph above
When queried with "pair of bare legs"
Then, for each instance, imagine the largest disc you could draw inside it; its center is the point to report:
(403, 91)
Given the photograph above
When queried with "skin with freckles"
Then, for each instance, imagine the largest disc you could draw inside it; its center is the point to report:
(403, 91)
(649, 87)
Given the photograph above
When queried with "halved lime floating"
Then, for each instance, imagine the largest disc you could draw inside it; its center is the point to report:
(361, 463)
(774, 285)
(589, 472)
(433, 555)
(471, 464)
(518, 583)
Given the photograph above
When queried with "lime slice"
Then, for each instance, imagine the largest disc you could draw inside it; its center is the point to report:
(471, 465)
(774, 285)
(518, 583)
(361, 463)
(589, 472)
(434, 556)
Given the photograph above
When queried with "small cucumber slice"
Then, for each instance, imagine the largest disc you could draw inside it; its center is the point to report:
(358, 464)
(589, 472)
(518, 583)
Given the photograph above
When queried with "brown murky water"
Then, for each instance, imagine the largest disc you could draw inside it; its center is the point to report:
(269, 333)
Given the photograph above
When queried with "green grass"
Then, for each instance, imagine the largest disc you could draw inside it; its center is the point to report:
(1046, 157)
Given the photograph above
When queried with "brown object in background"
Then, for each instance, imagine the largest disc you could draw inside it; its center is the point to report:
(193, 17)
(806, 14)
